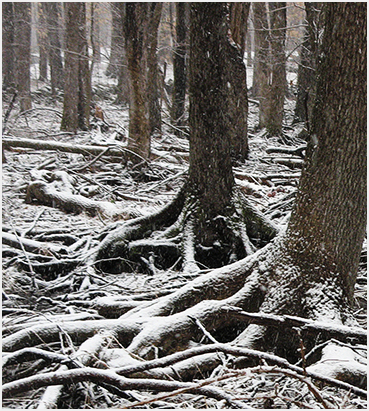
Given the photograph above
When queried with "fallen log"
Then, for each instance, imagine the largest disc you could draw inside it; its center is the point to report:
(116, 151)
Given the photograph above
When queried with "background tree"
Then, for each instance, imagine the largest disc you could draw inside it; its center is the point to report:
(306, 78)
(42, 40)
(260, 71)
(117, 45)
(237, 90)
(77, 86)
(22, 42)
(53, 10)
(180, 65)
(271, 108)
(8, 63)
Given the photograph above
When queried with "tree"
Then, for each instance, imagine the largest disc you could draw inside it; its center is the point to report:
(42, 41)
(272, 103)
(179, 65)
(141, 26)
(116, 47)
(237, 81)
(210, 216)
(22, 42)
(77, 86)
(310, 270)
(54, 46)
(8, 66)
(306, 78)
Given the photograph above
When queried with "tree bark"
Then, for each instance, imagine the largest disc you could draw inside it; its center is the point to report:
(77, 87)
(8, 66)
(42, 41)
(116, 46)
(276, 89)
(306, 77)
(55, 58)
(22, 41)
(179, 65)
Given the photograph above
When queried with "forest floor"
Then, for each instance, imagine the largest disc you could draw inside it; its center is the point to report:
(50, 283)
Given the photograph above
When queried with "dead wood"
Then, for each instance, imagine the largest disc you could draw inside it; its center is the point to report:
(64, 147)
(46, 194)
(296, 151)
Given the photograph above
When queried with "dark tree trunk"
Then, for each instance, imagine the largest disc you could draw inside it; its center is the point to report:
(306, 78)
(260, 74)
(332, 235)
(77, 87)
(116, 46)
(55, 58)
(42, 40)
(8, 66)
(237, 81)
(179, 65)
(153, 89)
(22, 41)
(277, 86)
(136, 40)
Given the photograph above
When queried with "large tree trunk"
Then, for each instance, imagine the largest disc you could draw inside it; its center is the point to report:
(77, 87)
(55, 58)
(22, 41)
(179, 65)
(8, 67)
(306, 78)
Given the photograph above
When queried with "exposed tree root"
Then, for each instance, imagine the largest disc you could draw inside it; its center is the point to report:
(172, 233)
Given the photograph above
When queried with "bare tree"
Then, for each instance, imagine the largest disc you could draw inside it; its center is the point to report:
(42, 40)
(8, 66)
(77, 86)
(22, 43)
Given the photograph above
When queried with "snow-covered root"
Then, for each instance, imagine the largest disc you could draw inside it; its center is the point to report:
(78, 331)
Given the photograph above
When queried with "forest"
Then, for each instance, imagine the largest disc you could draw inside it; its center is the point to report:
(184, 205)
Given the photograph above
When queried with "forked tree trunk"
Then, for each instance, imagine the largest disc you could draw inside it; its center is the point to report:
(77, 87)
(22, 41)
(8, 67)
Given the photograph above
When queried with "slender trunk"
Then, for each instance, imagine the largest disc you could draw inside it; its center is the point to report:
(115, 59)
(123, 79)
(77, 88)
(22, 41)
(136, 39)
(237, 81)
(260, 74)
(55, 58)
(277, 86)
(42, 40)
(8, 66)
(153, 89)
(306, 84)
(179, 65)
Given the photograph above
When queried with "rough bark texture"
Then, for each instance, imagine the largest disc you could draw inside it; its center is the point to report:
(237, 82)
(77, 87)
(306, 83)
(179, 64)
(276, 90)
(22, 40)
(55, 58)
(153, 90)
(332, 235)
(8, 65)
(136, 40)
(260, 77)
